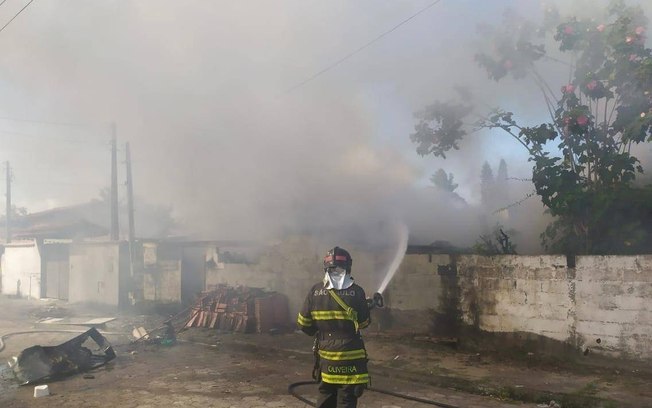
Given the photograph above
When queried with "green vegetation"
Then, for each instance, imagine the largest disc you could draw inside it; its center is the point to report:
(583, 167)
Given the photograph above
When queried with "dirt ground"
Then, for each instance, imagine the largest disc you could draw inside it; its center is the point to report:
(210, 369)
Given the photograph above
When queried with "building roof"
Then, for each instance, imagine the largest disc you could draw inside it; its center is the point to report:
(72, 222)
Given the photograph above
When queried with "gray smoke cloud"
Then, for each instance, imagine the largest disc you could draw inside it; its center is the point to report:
(199, 90)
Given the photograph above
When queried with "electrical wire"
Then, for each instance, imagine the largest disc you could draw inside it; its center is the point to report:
(3, 2)
(46, 122)
(62, 139)
(17, 14)
(368, 44)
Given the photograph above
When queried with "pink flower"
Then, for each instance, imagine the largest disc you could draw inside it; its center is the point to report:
(640, 30)
(582, 120)
(568, 30)
(570, 88)
(600, 28)
(592, 85)
(567, 120)
(629, 39)
(632, 57)
(508, 65)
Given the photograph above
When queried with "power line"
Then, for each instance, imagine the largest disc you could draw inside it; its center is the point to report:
(60, 183)
(349, 55)
(3, 2)
(55, 138)
(46, 122)
(12, 19)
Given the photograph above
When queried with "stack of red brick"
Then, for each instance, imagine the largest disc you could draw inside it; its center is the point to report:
(240, 309)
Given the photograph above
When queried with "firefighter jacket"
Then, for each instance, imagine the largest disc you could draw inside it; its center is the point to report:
(343, 358)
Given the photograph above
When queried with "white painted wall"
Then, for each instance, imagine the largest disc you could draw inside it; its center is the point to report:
(21, 262)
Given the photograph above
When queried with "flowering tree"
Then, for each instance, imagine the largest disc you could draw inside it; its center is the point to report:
(583, 167)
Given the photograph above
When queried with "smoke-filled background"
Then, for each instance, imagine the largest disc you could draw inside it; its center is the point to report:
(200, 89)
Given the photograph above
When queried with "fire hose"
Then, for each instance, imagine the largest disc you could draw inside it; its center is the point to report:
(291, 390)
(315, 374)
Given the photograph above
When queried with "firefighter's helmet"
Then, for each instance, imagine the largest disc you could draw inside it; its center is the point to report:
(338, 257)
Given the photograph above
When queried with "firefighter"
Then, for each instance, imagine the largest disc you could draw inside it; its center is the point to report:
(334, 312)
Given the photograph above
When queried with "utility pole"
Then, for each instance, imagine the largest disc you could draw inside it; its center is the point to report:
(130, 204)
(115, 225)
(8, 216)
(130, 197)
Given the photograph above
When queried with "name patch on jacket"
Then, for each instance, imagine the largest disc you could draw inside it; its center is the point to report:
(343, 292)
(342, 369)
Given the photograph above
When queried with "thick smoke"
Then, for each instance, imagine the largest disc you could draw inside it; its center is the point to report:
(199, 89)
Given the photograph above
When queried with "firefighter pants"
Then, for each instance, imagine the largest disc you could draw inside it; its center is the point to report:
(339, 396)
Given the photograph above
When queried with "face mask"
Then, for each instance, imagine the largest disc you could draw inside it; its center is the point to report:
(337, 278)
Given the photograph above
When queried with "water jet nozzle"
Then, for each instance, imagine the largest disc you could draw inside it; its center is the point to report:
(376, 301)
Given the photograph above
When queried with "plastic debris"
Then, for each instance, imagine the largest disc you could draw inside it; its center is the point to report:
(41, 391)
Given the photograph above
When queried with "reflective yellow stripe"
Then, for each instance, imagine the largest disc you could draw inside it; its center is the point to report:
(343, 355)
(364, 324)
(304, 321)
(329, 315)
(345, 379)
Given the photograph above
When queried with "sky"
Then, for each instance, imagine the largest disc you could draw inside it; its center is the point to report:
(200, 91)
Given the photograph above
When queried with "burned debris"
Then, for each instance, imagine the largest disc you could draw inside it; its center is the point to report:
(240, 309)
(40, 363)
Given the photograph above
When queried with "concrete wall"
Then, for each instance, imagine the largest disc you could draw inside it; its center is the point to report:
(416, 296)
(21, 270)
(162, 282)
(603, 302)
(598, 298)
(96, 273)
(173, 272)
(517, 294)
(613, 302)
(292, 267)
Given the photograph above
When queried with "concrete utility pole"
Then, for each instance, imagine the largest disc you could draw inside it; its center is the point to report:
(8, 217)
(130, 204)
(115, 225)
(130, 197)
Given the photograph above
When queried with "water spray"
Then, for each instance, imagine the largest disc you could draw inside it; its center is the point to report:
(403, 235)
